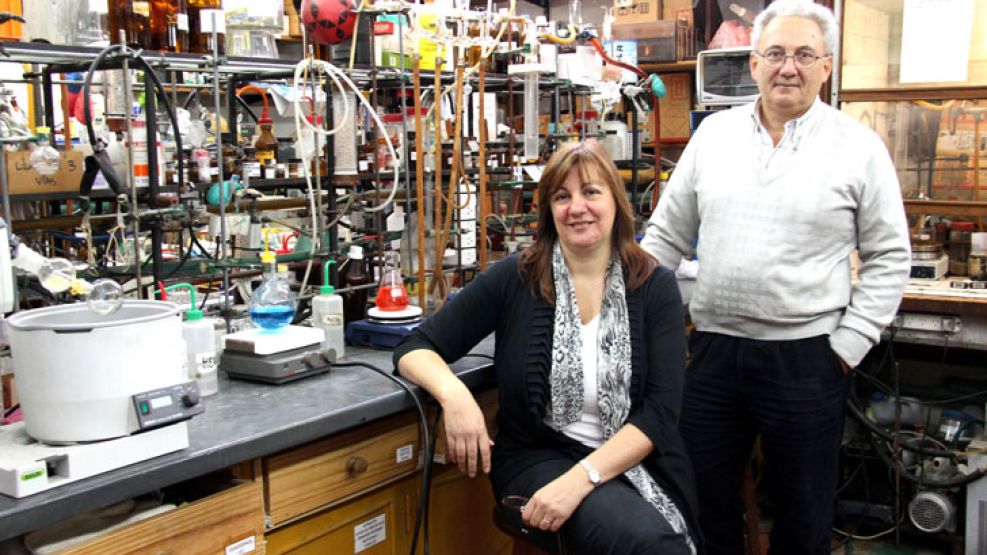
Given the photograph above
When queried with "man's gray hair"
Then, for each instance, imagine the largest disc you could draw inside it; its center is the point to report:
(808, 9)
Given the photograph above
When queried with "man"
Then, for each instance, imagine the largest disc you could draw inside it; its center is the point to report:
(779, 194)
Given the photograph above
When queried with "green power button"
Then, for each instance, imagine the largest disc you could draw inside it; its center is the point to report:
(145, 409)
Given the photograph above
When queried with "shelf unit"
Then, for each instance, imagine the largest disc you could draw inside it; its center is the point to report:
(224, 74)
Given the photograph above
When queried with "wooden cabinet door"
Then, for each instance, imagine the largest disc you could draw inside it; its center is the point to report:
(369, 525)
(461, 519)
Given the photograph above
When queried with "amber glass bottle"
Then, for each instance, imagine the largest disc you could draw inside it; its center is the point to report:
(133, 17)
(199, 42)
(169, 25)
(267, 143)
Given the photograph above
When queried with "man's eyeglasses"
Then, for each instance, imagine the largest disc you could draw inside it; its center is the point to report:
(803, 59)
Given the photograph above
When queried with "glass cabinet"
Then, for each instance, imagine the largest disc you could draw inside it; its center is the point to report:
(915, 71)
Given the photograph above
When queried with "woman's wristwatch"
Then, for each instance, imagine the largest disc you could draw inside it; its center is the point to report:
(594, 474)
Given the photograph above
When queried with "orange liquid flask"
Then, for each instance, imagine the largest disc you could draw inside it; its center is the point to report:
(391, 294)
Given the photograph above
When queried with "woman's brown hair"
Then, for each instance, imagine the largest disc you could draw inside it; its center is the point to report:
(592, 162)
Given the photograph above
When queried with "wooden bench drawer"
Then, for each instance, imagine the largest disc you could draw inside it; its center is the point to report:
(379, 523)
(309, 477)
(233, 517)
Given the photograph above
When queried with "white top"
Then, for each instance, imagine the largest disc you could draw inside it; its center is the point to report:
(587, 430)
(777, 224)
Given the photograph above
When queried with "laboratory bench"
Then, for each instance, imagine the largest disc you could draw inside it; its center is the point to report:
(287, 436)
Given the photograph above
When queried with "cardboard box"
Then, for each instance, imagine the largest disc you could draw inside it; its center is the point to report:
(23, 180)
(675, 109)
(637, 11)
(676, 105)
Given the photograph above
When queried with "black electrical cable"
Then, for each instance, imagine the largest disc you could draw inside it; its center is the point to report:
(182, 260)
(874, 429)
(894, 464)
(8, 411)
(87, 85)
(195, 241)
(421, 518)
(163, 95)
(431, 456)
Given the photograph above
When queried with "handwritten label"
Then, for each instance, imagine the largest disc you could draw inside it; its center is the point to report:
(203, 364)
(23, 179)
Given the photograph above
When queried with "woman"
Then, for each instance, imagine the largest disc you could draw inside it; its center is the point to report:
(590, 351)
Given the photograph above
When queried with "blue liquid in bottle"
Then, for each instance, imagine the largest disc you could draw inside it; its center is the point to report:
(272, 317)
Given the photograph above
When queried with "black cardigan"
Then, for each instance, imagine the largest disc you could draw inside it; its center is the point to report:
(499, 301)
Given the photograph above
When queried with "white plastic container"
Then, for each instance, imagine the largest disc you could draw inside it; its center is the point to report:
(76, 370)
(616, 140)
(200, 346)
(200, 356)
(327, 315)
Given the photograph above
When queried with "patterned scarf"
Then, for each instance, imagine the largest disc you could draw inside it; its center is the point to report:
(613, 372)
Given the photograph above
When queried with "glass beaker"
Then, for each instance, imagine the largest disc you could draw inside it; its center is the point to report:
(391, 294)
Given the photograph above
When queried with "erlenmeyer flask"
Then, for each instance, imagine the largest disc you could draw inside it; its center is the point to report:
(391, 294)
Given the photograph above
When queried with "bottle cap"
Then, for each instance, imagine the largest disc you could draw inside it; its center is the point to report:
(282, 268)
(267, 257)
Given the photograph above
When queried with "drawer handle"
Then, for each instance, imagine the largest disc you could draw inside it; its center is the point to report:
(356, 465)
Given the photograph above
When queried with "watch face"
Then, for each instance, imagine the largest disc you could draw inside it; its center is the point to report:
(594, 474)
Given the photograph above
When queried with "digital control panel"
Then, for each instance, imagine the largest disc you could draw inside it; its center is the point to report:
(167, 405)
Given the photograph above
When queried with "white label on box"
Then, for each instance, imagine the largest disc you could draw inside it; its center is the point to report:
(182, 22)
(242, 547)
(405, 453)
(369, 533)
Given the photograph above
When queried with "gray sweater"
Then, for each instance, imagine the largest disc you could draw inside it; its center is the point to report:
(776, 226)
